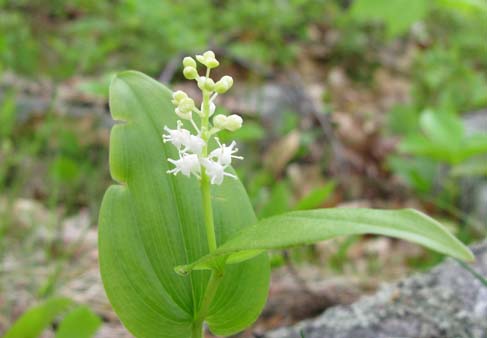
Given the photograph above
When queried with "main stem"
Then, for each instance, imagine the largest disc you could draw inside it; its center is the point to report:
(205, 181)
(216, 277)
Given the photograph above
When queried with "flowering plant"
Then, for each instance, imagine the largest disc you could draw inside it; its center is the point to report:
(179, 242)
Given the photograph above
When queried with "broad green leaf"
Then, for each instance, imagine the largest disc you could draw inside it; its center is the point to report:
(306, 227)
(151, 222)
(397, 15)
(79, 323)
(38, 318)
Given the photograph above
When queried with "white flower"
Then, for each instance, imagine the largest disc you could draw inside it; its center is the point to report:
(224, 153)
(192, 155)
(215, 171)
(178, 137)
(194, 144)
(187, 164)
(182, 138)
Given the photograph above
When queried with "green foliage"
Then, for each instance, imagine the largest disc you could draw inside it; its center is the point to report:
(444, 139)
(87, 36)
(306, 227)
(397, 15)
(278, 201)
(316, 197)
(80, 322)
(37, 318)
(154, 221)
(445, 77)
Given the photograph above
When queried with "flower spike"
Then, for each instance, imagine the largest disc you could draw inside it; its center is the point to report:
(194, 157)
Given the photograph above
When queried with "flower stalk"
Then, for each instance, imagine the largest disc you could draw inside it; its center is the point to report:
(205, 181)
(195, 159)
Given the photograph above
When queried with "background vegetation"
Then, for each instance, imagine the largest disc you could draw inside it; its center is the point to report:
(367, 102)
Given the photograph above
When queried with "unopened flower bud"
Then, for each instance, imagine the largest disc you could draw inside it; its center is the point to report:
(205, 83)
(190, 73)
(183, 115)
(186, 105)
(178, 96)
(220, 121)
(189, 62)
(224, 84)
(234, 122)
(208, 59)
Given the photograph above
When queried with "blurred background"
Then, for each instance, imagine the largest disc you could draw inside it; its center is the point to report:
(369, 103)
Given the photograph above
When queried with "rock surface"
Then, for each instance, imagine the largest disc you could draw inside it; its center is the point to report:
(445, 302)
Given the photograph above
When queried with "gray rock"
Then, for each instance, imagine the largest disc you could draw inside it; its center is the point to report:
(445, 302)
(474, 189)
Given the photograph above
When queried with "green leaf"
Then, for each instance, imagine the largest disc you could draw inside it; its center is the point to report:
(37, 318)
(397, 15)
(467, 6)
(79, 323)
(152, 222)
(444, 139)
(442, 128)
(316, 197)
(306, 227)
(278, 202)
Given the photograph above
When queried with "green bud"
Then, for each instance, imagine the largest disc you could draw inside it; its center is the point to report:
(186, 105)
(208, 59)
(212, 63)
(205, 83)
(178, 96)
(234, 122)
(183, 115)
(189, 62)
(224, 84)
(190, 72)
(220, 121)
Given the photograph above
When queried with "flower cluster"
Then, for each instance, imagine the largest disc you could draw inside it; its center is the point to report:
(194, 158)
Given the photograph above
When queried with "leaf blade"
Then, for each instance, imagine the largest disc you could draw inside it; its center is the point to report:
(79, 323)
(306, 227)
(37, 318)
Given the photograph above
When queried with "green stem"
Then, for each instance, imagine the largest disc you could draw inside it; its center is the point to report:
(197, 330)
(216, 276)
(211, 288)
(205, 181)
(210, 227)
